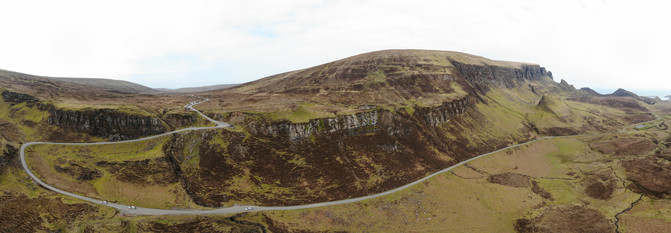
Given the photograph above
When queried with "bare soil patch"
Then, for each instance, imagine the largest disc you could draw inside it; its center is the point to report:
(61, 180)
(198, 224)
(540, 191)
(10, 132)
(510, 179)
(149, 171)
(642, 224)
(600, 185)
(626, 146)
(78, 172)
(560, 131)
(566, 219)
(650, 176)
(18, 213)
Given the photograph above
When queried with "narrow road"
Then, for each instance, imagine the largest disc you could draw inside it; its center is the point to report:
(239, 208)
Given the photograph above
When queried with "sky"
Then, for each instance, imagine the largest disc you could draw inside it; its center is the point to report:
(170, 44)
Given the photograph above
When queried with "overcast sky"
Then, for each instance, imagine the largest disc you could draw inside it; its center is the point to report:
(597, 43)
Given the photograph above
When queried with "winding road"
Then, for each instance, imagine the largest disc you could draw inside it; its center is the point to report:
(237, 208)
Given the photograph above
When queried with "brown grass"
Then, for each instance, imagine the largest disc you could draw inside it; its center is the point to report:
(46, 172)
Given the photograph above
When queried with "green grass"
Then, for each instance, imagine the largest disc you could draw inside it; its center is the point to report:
(302, 113)
(133, 151)
(107, 186)
(121, 108)
(22, 113)
(376, 76)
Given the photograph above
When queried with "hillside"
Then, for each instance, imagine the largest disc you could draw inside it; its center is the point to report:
(119, 86)
(186, 90)
(48, 87)
(95, 84)
(345, 129)
(389, 79)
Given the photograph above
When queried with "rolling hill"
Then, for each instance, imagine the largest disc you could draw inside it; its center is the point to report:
(112, 85)
(108, 85)
(345, 129)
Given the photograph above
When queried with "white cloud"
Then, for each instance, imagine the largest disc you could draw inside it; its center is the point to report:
(603, 44)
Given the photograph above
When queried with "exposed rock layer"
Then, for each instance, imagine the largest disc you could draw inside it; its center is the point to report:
(484, 77)
(15, 98)
(107, 123)
(294, 131)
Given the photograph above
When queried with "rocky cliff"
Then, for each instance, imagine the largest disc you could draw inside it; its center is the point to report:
(483, 76)
(107, 123)
(296, 131)
(359, 123)
(434, 116)
(15, 98)
(176, 120)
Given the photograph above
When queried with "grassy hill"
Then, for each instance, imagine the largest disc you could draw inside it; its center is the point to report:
(95, 84)
(363, 125)
(185, 90)
(112, 85)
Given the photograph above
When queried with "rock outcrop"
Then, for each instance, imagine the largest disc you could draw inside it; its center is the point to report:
(107, 123)
(358, 123)
(483, 76)
(16, 98)
(177, 120)
(8, 153)
(295, 131)
(434, 116)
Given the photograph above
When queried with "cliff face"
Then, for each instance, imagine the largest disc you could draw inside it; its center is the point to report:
(434, 116)
(177, 120)
(296, 131)
(359, 123)
(107, 123)
(15, 98)
(483, 77)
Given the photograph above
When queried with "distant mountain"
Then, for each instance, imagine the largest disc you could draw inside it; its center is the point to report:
(119, 86)
(197, 89)
(624, 93)
(586, 91)
(47, 87)
(111, 85)
(388, 77)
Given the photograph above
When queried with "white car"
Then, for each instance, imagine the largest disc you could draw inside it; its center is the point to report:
(132, 207)
(248, 208)
(103, 202)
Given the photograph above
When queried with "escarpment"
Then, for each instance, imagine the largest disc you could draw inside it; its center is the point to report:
(107, 123)
(434, 116)
(176, 120)
(16, 98)
(483, 77)
(364, 122)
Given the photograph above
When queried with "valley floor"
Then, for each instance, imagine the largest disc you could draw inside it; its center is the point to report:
(570, 184)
